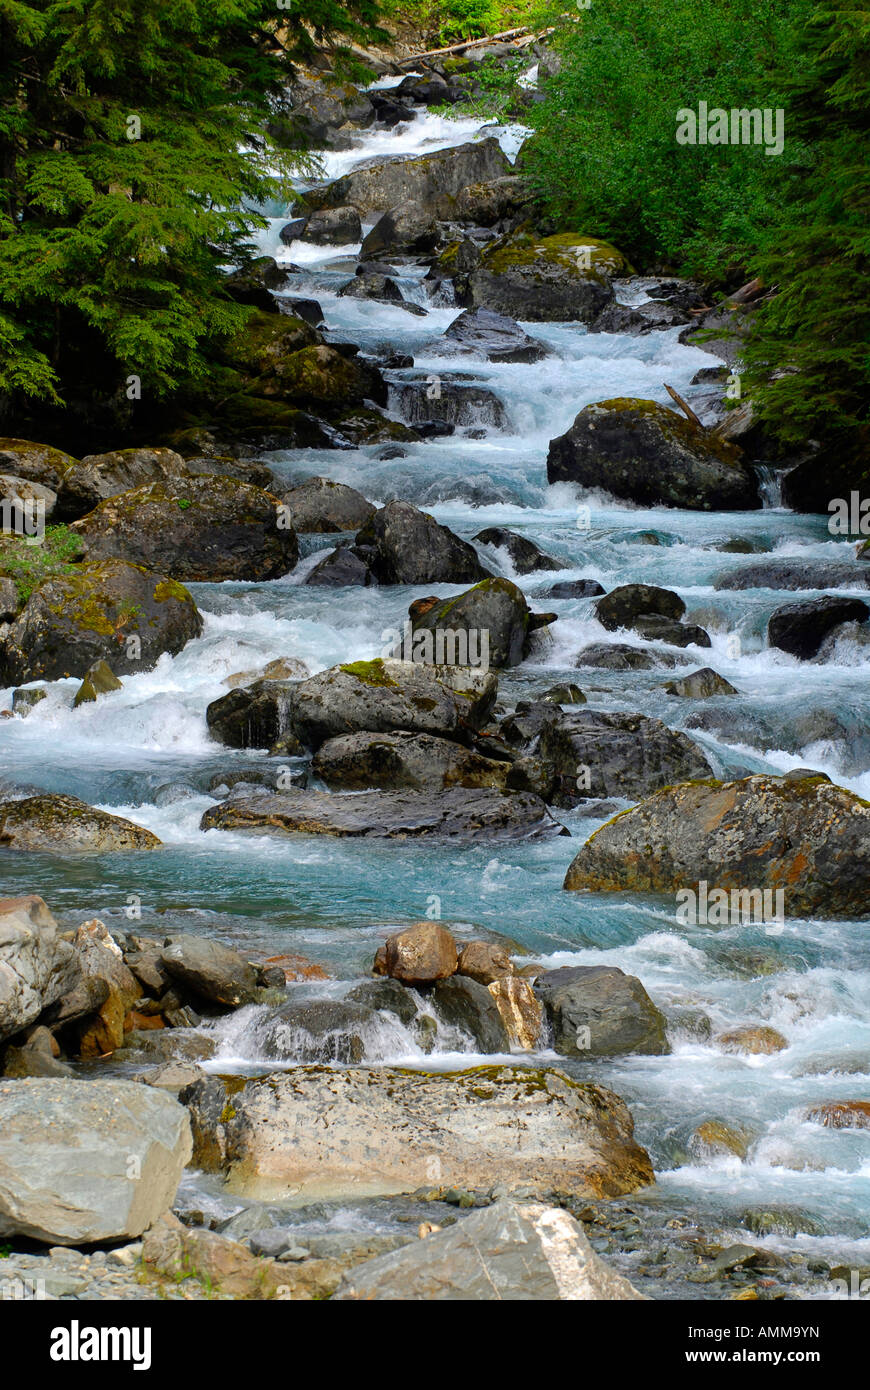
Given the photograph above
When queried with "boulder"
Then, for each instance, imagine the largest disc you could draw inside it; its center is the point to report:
(321, 1133)
(655, 629)
(520, 1010)
(485, 333)
(555, 279)
(642, 452)
(87, 1161)
(253, 716)
(701, 685)
(292, 230)
(36, 967)
(109, 610)
(487, 816)
(407, 546)
(807, 837)
(377, 185)
(485, 962)
(753, 1040)
(57, 824)
(335, 226)
(213, 971)
(39, 463)
(409, 229)
(200, 530)
(24, 504)
(464, 1004)
(99, 476)
(489, 625)
(320, 505)
(384, 696)
(840, 1114)
(507, 1252)
(419, 762)
(525, 556)
(253, 284)
(485, 204)
(801, 628)
(339, 569)
(327, 1031)
(623, 606)
(101, 961)
(419, 955)
(593, 754)
(598, 1011)
(283, 668)
(574, 588)
(458, 400)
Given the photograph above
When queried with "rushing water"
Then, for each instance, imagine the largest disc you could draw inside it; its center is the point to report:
(144, 752)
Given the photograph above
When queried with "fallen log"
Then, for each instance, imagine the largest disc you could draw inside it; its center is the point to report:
(687, 409)
(505, 36)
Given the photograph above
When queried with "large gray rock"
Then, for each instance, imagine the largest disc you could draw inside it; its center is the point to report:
(320, 1133)
(407, 546)
(598, 1011)
(525, 556)
(36, 967)
(98, 476)
(409, 228)
(640, 451)
(377, 185)
(543, 279)
(456, 813)
(210, 969)
(84, 1161)
(320, 505)
(418, 762)
(251, 716)
(628, 755)
(386, 695)
(468, 1005)
(507, 1253)
(805, 836)
(494, 336)
(795, 574)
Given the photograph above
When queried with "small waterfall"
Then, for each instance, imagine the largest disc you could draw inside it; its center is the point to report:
(770, 485)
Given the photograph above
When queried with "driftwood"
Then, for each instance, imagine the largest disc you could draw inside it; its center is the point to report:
(507, 35)
(687, 409)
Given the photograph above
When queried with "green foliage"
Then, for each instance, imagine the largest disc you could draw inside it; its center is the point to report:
(809, 358)
(30, 564)
(605, 157)
(132, 164)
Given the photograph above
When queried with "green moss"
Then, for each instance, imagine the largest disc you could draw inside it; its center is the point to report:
(29, 565)
(170, 588)
(525, 249)
(371, 672)
(672, 424)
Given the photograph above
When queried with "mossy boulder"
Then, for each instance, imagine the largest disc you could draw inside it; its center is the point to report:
(39, 463)
(319, 505)
(376, 185)
(554, 279)
(394, 761)
(642, 452)
(194, 528)
(488, 625)
(64, 824)
(108, 610)
(97, 476)
(807, 837)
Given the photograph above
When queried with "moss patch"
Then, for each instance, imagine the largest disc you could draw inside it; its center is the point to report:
(371, 672)
(29, 565)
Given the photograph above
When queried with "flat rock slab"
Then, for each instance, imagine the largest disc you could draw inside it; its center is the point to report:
(87, 1161)
(456, 813)
(507, 1252)
(315, 1133)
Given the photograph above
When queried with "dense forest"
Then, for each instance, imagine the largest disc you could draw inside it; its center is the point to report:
(134, 157)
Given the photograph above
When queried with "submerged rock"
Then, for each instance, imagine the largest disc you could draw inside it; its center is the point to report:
(809, 838)
(841, 1114)
(619, 656)
(394, 1131)
(506, 1252)
(754, 1040)
(99, 680)
(253, 716)
(701, 685)
(87, 1161)
(58, 824)
(598, 1011)
(643, 452)
(525, 556)
(795, 574)
(455, 813)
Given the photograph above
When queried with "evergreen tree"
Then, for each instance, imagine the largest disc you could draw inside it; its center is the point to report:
(132, 157)
(809, 356)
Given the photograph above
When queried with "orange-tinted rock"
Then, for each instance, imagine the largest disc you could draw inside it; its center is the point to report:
(483, 961)
(841, 1114)
(298, 967)
(420, 955)
(520, 1009)
(754, 1040)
